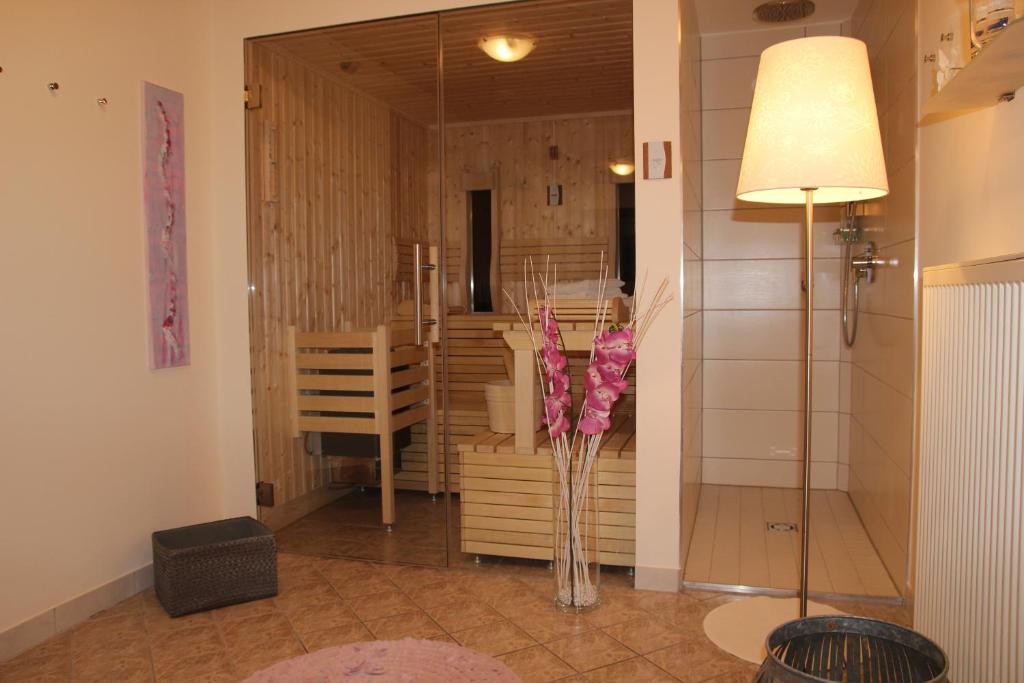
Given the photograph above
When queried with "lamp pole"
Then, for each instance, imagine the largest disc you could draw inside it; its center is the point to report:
(805, 535)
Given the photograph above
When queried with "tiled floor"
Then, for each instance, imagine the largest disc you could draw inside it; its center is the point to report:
(351, 527)
(503, 610)
(731, 544)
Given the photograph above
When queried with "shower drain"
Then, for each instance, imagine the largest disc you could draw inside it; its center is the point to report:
(782, 526)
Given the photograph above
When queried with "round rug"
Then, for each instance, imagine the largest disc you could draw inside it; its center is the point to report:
(426, 661)
(741, 628)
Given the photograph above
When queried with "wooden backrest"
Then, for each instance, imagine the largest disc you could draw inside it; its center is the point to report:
(579, 261)
(585, 310)
(360, 382)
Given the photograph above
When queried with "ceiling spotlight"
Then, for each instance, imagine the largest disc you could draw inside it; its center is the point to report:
(507, 48)
(622, 168)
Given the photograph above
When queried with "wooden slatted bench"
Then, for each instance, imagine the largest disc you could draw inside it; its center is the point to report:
(507, 497)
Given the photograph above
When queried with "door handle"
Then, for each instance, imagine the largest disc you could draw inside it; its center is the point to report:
(418, 266)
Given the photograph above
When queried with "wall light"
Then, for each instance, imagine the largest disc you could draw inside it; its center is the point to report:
(622, 168)
(507, 48)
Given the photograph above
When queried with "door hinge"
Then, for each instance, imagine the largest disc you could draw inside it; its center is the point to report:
(253, 96)
(265, 494)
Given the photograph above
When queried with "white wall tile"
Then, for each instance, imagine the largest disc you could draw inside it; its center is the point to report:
(830, 29)
(768, 385)
(768, 335)
(768, 435)
(779, 474)
(760, 233)
(744, 43)
(768, 284)
(724, 132)
(728, 83)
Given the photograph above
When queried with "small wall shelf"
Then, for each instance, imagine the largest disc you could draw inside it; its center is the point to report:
(996, 71)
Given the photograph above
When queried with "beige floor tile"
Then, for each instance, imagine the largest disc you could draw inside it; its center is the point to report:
(105, 666)
(536, 665)
(591, 650)
(496, 638)
(381, 605)
(339, 635)
(636, 670)
(55, 666)
(243, 610)
(97, 633)
(170, 647)
(310, 618)
(409, 625)
(695, 660)
(463, 613)
(645, 635)
(313, 590)
(433, 594)
(205, 668)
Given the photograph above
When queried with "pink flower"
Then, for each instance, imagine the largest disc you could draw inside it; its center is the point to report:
(558, 426)
(594, 423)
(615, 347)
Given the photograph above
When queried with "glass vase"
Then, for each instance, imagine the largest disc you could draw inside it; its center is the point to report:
(577, 567)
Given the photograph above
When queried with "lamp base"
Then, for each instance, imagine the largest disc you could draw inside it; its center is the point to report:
(741, 628)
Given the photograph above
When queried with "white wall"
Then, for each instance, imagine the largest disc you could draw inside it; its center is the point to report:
(97, 449)
(970, 165)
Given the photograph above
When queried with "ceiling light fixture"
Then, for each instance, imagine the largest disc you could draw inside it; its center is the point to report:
(622, 168)
(507, 48)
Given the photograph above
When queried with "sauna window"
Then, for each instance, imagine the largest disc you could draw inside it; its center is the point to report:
(626, 207)
(480, 250)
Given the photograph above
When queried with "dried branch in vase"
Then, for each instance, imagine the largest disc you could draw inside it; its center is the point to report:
(576, 443)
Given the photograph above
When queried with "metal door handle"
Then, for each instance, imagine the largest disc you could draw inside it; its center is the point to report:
(418, 266)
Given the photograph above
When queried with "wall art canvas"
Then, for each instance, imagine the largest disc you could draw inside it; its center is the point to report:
(163, 140)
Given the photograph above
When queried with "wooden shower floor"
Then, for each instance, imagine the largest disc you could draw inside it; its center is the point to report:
(731, 544)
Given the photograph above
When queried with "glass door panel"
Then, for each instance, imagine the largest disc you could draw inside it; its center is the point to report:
(342, 143)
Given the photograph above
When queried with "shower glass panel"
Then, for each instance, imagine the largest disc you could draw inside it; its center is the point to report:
(342, 128)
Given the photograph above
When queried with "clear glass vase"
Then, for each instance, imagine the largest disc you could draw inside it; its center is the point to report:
(577, 565)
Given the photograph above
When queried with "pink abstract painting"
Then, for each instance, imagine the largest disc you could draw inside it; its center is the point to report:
(163, 139)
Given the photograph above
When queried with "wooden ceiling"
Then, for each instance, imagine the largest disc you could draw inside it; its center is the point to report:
(583, 61)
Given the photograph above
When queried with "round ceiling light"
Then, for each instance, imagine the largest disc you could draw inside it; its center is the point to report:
(507, 48)
(622, 168)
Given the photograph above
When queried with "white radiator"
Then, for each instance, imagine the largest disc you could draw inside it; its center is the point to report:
(969, 594)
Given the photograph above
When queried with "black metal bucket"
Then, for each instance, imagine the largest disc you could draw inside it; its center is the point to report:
(851, 650)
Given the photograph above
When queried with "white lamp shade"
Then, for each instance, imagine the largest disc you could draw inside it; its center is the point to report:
(813, 124)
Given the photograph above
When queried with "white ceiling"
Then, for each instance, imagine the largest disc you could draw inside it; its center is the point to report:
(719, 16)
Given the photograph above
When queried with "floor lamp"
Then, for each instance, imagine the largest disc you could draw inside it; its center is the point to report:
(813, 138)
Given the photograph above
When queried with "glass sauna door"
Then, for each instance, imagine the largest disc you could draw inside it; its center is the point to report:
(342, 127)
(530, 147)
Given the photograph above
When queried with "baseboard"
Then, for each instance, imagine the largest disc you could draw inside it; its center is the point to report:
(664, 579)
(282, 515)
(30, 633)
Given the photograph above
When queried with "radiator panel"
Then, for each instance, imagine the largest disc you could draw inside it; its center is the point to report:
(970, 542)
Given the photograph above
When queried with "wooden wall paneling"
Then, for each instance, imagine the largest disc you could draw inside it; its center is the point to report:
(517, 153)
(327, 204)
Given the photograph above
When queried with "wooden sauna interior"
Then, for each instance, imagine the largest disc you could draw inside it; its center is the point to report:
(345, 138)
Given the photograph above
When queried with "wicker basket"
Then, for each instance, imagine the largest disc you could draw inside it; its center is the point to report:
(215, 564)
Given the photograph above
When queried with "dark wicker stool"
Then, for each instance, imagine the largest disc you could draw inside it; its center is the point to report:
(838, 648)
(215, 564)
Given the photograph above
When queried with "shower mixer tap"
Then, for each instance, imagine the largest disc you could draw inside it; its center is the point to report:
(865, 264)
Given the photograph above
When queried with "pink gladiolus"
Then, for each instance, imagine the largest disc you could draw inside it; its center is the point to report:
(558, 426)
(592, 423)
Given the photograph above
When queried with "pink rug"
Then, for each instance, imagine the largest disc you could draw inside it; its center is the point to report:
(422, 661)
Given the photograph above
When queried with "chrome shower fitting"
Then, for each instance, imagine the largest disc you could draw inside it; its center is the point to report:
(864, 264)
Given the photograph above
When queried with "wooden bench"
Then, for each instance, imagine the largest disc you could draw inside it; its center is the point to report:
(507, 497)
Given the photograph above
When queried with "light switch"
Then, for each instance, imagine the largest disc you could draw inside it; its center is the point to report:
(657, 160)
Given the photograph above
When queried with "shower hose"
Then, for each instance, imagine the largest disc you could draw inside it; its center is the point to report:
(849, 315)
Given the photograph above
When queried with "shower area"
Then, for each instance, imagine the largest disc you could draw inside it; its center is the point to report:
(744, 531)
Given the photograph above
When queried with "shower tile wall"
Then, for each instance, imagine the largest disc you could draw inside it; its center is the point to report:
(753, 332)
(879, 378)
